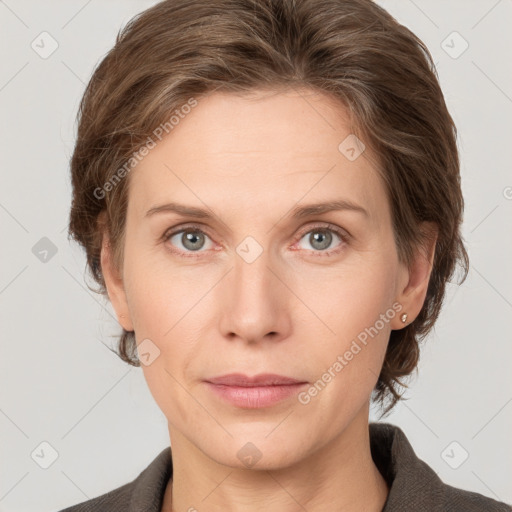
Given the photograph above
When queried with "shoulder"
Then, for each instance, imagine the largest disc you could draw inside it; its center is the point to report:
(413, 484)
(454, 499)
(145, 492)
(116, 500)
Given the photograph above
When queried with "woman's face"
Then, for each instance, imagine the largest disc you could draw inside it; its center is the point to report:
(260, 284)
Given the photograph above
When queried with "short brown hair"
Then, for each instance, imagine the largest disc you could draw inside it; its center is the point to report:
(352, 50)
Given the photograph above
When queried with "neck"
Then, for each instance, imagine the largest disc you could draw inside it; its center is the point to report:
(340, 475)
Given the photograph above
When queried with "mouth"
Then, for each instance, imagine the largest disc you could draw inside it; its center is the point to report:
(263, 379)
(255, 392)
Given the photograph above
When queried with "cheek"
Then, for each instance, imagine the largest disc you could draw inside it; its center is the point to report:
(168, 391)
(357, 309)
(350, 299)
(158, 295)
(347, 365)
(164, 319)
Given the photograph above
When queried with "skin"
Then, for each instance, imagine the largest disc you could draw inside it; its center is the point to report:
(292, 311)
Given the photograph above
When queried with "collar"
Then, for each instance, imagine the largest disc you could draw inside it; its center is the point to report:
(413, 484)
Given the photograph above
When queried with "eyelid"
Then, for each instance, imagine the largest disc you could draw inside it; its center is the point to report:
(342, 233)
(184, 227)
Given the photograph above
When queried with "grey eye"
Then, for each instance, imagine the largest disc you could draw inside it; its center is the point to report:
(191, 240)
(320, 238)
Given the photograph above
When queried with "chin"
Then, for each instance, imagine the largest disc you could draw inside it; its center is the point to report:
(259, 453)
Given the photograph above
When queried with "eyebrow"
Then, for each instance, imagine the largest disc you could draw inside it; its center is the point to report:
(298, 212)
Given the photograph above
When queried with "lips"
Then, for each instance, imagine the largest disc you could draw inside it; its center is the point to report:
(263, 379)
(257, 392)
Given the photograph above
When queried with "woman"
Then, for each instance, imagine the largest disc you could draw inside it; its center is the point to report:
(269, 193)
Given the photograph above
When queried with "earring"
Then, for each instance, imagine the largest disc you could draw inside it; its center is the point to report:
(404, 318)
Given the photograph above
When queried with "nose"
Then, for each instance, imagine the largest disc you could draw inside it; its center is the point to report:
(255, 301)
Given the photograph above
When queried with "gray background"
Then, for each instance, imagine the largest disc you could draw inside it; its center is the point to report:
(59, 382)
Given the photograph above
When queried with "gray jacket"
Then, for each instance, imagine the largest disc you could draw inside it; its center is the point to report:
(414, 486)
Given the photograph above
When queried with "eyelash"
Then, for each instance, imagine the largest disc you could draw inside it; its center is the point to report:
(196, 228)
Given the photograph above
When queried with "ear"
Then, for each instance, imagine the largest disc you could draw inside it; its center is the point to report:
(114, 284)
(413, 282)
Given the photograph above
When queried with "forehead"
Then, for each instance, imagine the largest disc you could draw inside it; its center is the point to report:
(263, 149)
